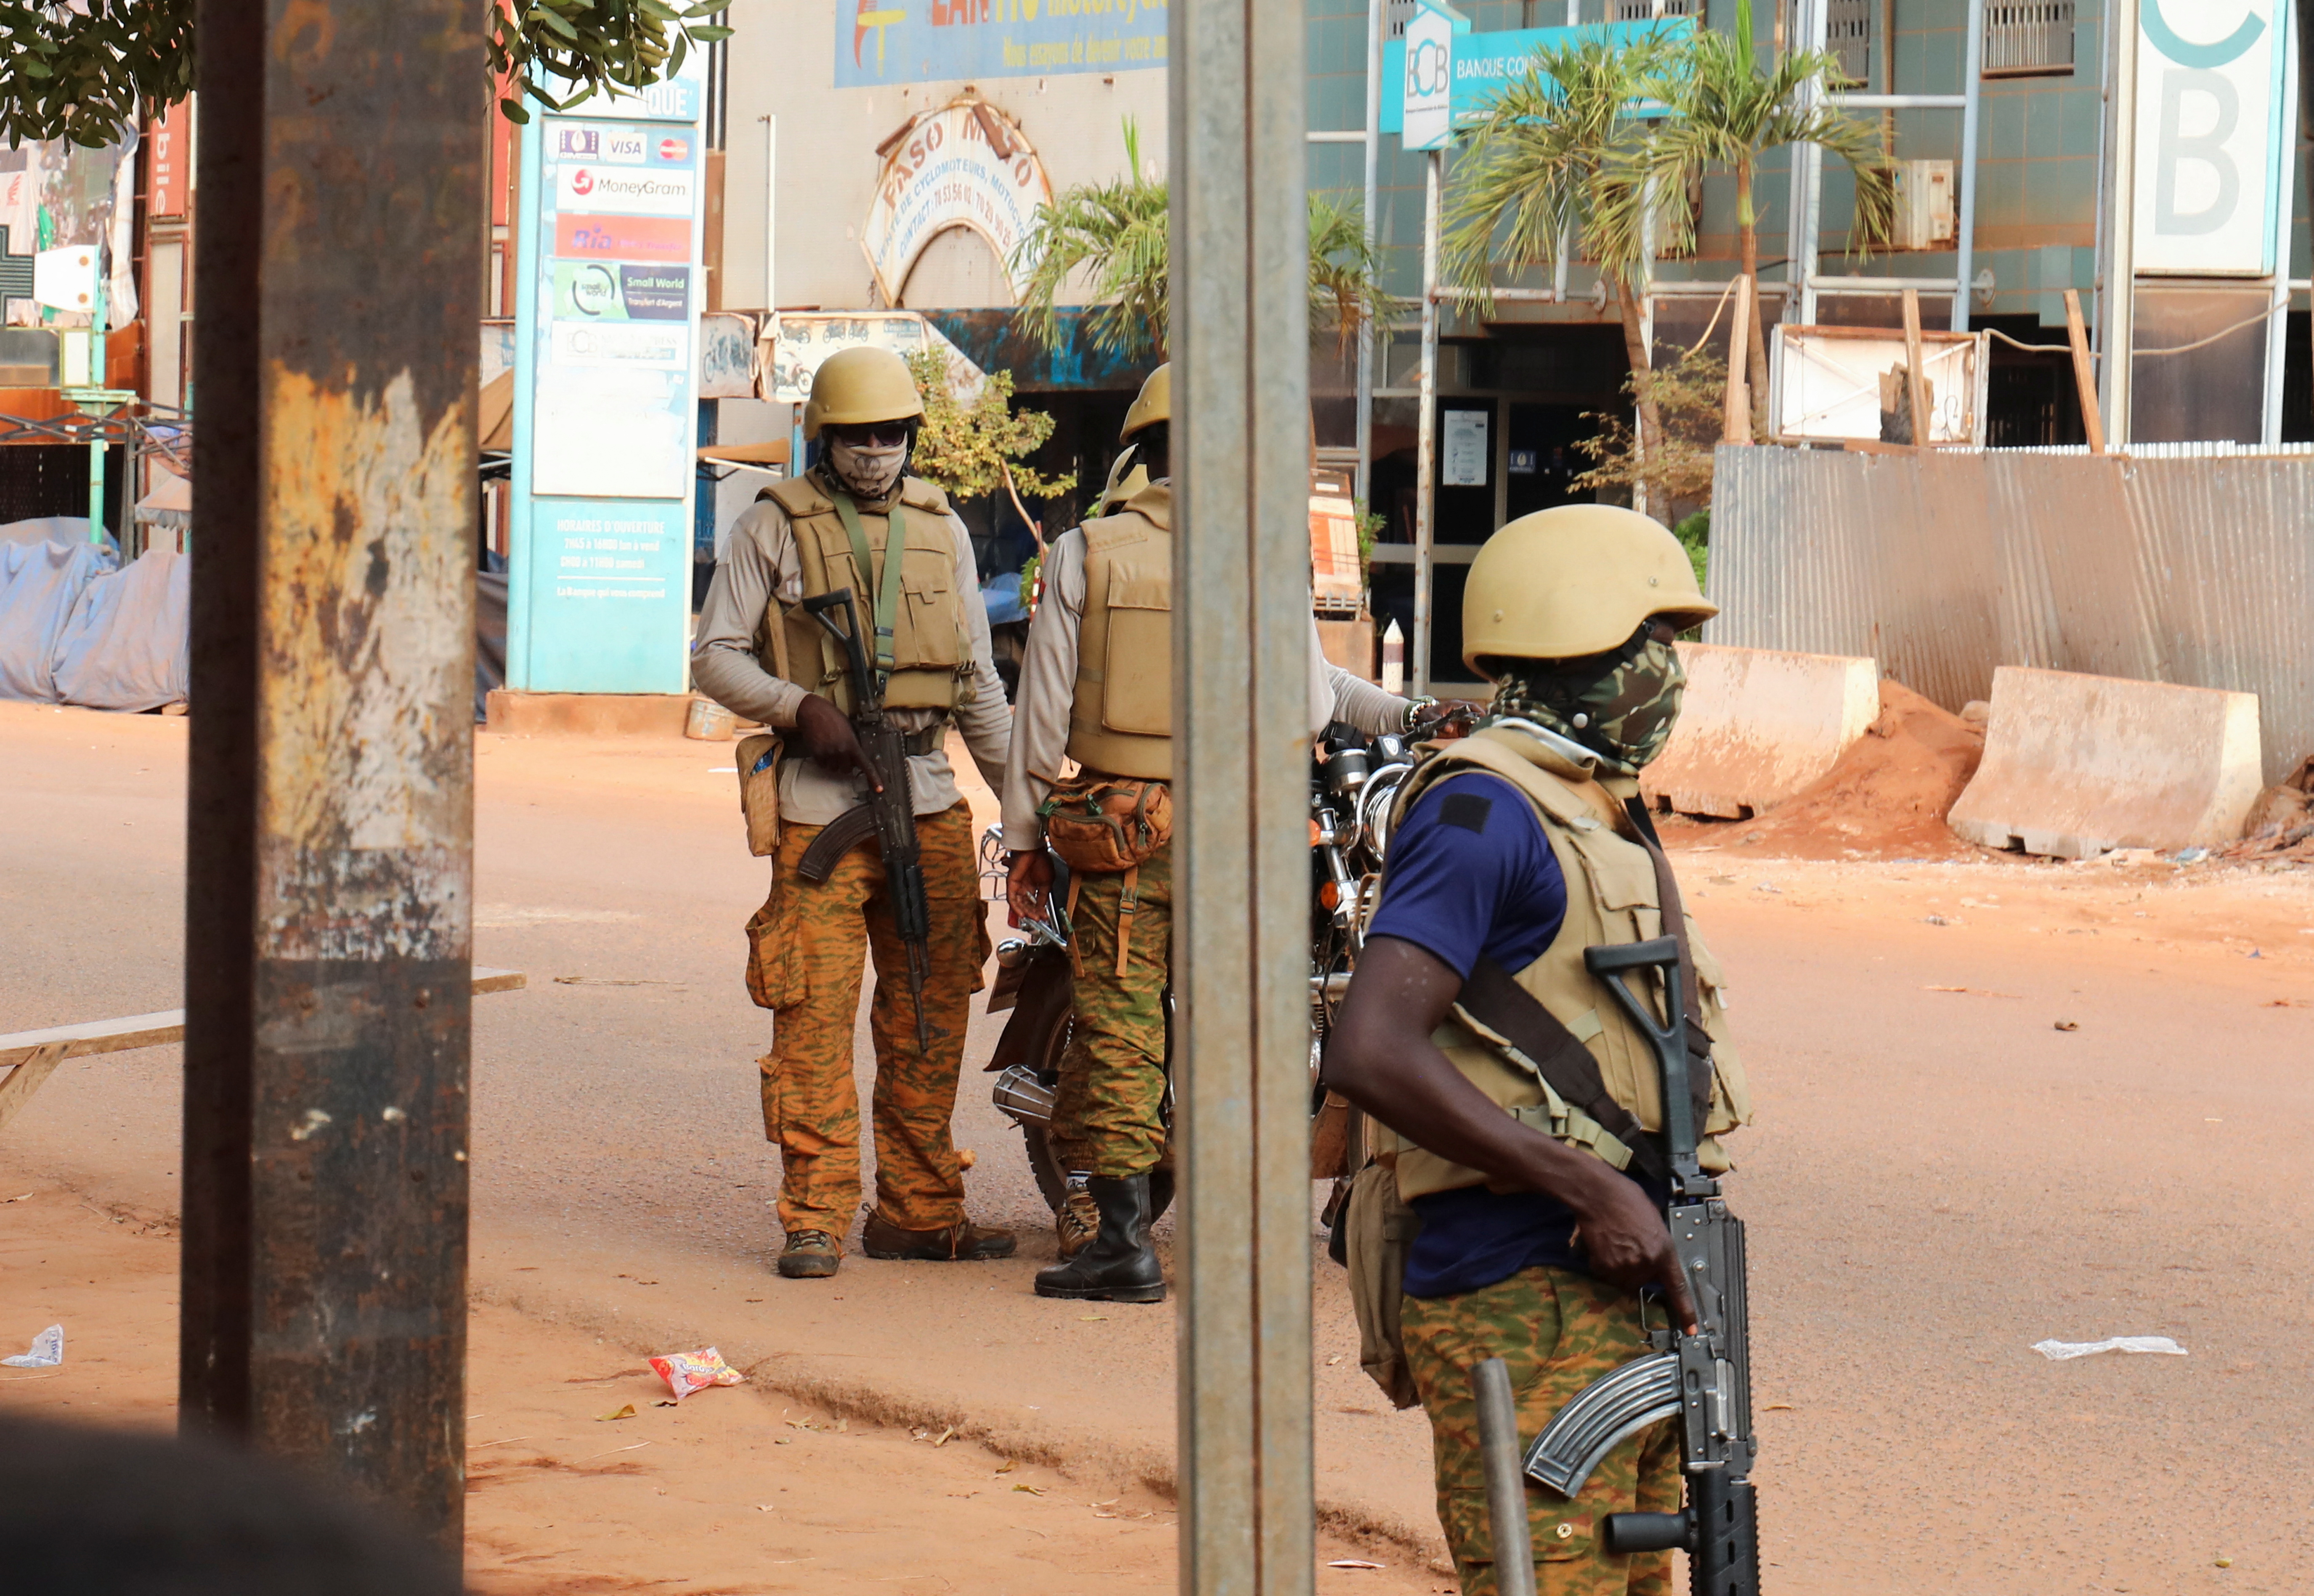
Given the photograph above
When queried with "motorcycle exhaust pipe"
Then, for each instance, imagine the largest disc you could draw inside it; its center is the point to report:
(1021, 1094)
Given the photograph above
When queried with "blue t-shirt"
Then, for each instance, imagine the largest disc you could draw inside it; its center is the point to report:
(1471, 874)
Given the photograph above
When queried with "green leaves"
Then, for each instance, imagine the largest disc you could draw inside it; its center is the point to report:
(89, 71)
(969, 448)
(597, 46)
(81, 72)
(1109, 239)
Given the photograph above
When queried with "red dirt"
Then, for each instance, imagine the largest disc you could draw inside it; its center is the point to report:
(1887, 798)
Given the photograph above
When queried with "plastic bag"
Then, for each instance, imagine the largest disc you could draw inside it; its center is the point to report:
(2058, 1351)
(47, 1351)
(685, 1372)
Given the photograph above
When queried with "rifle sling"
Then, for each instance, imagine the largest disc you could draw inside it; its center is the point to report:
(1674, 921)
(887, 582)
(1497, 1001)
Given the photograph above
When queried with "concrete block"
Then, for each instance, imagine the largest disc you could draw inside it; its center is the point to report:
(2077, 766)
(1757, 725)
(597, 714)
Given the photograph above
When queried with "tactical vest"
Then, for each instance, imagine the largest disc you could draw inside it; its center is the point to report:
(1611, 898)
(1121, 717)
(931, 641)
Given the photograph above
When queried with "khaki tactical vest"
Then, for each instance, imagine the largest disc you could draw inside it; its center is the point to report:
(1611, 898)
(1121, 718)
(931, 642)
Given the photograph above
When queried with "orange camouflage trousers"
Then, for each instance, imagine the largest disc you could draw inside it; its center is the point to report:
(1108, 1109)
(804, 965)
(1558, 1331)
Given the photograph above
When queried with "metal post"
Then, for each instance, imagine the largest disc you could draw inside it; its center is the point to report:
(1965, 225)
(99, 375)
(1240, 247)
(2277, 325)
(1375, 27)
(327, 908)
(2117, 318)
(1426, 435)
(1507, 1530)
(1805, 231)
(771, 213)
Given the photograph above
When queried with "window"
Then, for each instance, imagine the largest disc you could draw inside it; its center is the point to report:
(1847, 35)
(2028, 38)
(1640, 11)
(1395, 18)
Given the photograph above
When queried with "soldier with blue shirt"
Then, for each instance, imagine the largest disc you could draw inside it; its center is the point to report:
(1538, 1185)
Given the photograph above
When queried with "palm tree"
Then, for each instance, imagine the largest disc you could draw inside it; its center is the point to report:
(1549, 160)
(1115, 233)
(1727, 112)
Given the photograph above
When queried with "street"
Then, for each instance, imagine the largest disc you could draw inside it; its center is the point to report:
(1939, 1176)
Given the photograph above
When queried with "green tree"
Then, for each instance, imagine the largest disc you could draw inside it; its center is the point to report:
(90, 70)
(1115, 235)
(1539, 172)
(971, 446)
(1686, 394)
(1728, 112)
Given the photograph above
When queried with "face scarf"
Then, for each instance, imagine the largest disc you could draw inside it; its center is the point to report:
(1619, 705)
(867, 473)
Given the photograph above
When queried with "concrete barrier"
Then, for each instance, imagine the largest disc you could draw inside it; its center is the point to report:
(1757, 725)
(2076, 765)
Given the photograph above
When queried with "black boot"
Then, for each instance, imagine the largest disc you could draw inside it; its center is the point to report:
(1118, 1265)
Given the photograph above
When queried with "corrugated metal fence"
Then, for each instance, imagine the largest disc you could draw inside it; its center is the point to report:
(2192, 564)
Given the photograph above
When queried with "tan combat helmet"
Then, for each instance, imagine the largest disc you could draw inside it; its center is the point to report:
(1155, 403)
(1576, 580)
(858, 386)
(1126, 477)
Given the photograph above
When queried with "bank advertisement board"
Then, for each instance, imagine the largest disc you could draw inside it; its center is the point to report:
(911, 41)
(605, 395)
(1459, 76)
(2212, 136)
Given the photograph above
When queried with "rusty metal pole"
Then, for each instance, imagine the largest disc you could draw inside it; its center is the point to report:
(330, 815)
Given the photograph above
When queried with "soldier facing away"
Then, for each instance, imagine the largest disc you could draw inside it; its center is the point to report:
(760, 655)
(1514, 849)
(1097, 687)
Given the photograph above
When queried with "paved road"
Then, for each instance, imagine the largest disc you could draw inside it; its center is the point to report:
(1938, 1179)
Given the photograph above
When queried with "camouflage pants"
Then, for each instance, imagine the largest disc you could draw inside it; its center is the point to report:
(806, 944)
(1558, 1331)
(1108, 1113)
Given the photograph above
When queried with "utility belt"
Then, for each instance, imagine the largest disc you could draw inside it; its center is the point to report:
(929, 741)
(1108, 825)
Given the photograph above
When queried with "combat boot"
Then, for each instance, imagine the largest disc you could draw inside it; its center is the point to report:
(809, 1254)
(1118, 1265)
(882, 1239)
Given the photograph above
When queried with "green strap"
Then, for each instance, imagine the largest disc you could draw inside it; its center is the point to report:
(887, 587)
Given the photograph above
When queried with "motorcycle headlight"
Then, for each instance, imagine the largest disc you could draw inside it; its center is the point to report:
(1374, 802)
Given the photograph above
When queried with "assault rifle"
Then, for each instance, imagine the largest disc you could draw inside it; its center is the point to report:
(1705, 1378)
(889, 816)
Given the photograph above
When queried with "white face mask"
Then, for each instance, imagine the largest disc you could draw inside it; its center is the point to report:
(868, 472)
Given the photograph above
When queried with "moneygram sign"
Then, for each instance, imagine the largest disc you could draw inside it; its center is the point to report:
(625, 192)
(2211, 136)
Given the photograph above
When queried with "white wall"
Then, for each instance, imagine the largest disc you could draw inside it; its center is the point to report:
(783, 62)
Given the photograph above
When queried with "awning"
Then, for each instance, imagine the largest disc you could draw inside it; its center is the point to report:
(997, 340)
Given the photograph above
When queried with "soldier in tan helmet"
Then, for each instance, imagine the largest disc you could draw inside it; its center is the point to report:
(840, 525)
(1097, 688)
(1541, 1203)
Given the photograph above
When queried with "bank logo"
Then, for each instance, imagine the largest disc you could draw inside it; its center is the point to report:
(582, 181)
(675, 151)
(577, 141)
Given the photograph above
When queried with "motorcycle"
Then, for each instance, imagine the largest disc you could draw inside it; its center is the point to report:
(1353, 782)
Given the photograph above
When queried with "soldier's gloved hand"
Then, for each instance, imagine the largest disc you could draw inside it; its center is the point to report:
(1624, 1236)
(1028, 885)
(827, 733)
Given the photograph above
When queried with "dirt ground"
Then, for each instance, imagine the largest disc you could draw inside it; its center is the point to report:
(735, 1491)
(1938, 1178)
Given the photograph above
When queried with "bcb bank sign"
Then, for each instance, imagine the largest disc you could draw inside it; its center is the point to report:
(2212, 135)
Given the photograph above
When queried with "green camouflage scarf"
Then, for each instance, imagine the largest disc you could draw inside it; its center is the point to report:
(1618, 705)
